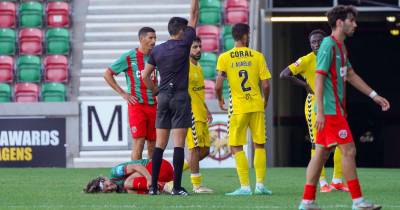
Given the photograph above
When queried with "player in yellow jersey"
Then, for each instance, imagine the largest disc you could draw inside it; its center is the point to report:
(305, 67)
(198, 139)
(244, 68)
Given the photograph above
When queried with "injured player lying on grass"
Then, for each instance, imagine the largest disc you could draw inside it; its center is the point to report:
(132, 177)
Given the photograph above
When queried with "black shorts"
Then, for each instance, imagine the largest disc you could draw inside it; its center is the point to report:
(174, 110)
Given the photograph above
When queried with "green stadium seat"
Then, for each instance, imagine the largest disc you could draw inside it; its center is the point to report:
(210, 12)
(227, 38)
(7, 41)
(208, 63)
(53, 92)
(225, 90)
(31, 14)
(57, 41)
(29, 68)
(5, 93)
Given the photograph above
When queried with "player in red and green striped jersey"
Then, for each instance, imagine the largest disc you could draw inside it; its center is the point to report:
(332, 72)
(141, 104)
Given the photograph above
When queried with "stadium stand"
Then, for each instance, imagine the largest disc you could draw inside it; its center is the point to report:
(53, 92)
(26, 92)
(236, 11)
(7, 41)
(57, 14)
(209, 35)
(208, 63)
(29, 68)
(6, 69)
(30, 41)
(7, 14)
(5, 92)
(31, 14)
(55, 68)
(57, 41)
(210, 12)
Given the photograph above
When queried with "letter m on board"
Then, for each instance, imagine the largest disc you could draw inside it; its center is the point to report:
(117, 113)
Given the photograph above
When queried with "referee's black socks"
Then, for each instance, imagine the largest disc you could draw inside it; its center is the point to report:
(155, 168)
(179, 157)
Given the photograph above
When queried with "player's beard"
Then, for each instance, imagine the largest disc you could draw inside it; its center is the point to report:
(196, 57)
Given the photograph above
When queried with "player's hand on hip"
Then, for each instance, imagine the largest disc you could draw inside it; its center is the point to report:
(130, 98)
(222, 105)
(320, 121)
(385, 105)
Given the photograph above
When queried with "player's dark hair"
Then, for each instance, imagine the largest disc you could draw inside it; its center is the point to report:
(143, 31)
(340, 12)
(94, 185)
(239, 30)
(197, 39)
(176, 24)
(316, 31)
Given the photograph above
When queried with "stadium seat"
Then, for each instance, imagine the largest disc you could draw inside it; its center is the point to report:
(26, 92)
(227, 37)
(28, 68)
(57, 41)
(57, 14)
(225, 90)
(6, 68)
(7, 14)
(7, 41)
(209, 89)
(236, 11)
(208, 63)
(30, 41)
(55, 68)
(210, 12)
(30, 14)
(209, 36)
(53, 92)
(5, 92)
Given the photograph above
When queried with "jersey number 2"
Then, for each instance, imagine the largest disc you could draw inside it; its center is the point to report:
(245, 75)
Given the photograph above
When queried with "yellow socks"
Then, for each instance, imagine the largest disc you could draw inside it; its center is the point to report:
(242, 168)
(196, 180)
(260, 164)
(337, 164)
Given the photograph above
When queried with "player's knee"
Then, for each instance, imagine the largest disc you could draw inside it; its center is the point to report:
(259, 146)
(349, 152)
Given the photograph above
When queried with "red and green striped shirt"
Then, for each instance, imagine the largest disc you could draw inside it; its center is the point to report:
(132, 63)
(333, 62)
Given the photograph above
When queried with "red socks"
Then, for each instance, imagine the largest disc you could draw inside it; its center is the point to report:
(309, 192)
(354, 188)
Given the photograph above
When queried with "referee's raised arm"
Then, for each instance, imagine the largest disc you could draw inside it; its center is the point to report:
(194, 13)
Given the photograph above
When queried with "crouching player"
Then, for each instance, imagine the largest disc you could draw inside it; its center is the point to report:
(132, 177)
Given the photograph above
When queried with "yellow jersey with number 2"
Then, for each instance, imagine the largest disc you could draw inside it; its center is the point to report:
(244, 69)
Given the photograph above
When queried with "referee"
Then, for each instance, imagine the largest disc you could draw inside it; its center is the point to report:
(174, 107)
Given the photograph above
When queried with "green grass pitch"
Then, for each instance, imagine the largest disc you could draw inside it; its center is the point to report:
(62, 189)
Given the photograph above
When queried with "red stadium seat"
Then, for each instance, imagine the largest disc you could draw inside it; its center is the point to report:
(30, 41)
(237, 4)
(26, 92)
(57, 14)
(7, 14)
(236, 11)
(209, 89)
(209, 35)
(55, 68)
(6, 68)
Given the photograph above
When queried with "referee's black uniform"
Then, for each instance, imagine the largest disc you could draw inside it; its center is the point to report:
(174, 106)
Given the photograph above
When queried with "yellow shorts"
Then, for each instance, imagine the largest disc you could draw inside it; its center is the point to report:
(238, 124)
(310, 117)
(198, 135)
